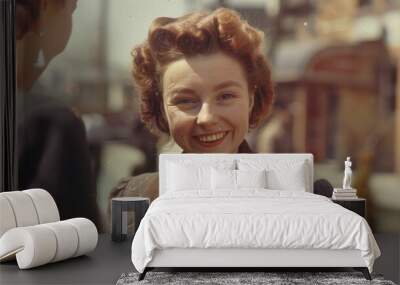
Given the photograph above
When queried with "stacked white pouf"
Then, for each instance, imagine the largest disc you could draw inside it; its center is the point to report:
(31, 230)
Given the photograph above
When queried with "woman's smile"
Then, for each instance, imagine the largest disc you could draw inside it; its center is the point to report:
(211, 139)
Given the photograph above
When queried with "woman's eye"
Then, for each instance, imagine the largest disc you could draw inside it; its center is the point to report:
(226, 96)
(185, 101)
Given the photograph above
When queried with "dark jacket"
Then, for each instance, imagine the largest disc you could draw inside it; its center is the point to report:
(53, 154)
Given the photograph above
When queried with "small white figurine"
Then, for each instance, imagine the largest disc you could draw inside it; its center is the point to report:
(347, 174)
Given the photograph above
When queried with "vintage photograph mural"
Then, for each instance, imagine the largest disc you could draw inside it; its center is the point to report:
(104, 87)
(100, 97)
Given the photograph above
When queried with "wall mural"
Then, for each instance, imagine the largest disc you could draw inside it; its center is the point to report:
(100, 97)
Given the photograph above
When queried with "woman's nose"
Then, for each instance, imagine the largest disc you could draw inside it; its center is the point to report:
(206, 115)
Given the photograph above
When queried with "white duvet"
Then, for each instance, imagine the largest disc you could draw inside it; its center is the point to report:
(252, 218)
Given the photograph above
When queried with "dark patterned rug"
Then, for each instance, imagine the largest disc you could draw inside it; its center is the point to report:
(229, 278)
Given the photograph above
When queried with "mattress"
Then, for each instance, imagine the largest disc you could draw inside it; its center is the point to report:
(251, 219)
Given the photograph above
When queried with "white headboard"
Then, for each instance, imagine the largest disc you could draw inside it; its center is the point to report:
(211, 158)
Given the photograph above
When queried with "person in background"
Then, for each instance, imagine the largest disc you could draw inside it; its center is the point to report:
(202, 79)
(52, 148)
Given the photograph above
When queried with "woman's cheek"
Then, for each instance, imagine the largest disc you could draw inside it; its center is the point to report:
(237, 113)
(179, 124)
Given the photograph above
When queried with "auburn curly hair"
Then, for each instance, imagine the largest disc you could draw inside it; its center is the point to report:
(171, 39)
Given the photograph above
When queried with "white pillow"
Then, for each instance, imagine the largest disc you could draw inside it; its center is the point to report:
(251, 178)
(293, 180)
(223, 179)
(193, 174)
(228, 179)
(181, 177)
(282, 174)
(193, 160)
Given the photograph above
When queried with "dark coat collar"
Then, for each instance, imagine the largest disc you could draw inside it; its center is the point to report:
(244, 148)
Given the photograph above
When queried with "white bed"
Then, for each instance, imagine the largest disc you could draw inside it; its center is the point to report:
(281, 224)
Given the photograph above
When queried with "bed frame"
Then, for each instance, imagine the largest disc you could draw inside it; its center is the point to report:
(247, 258)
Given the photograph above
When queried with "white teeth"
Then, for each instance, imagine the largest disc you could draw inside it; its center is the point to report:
(211, 138)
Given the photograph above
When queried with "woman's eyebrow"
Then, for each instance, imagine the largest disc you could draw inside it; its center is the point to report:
(187, 90)
(228, 83)
(178, 90)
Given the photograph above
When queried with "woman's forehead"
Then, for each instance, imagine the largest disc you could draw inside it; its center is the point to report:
(210, 70)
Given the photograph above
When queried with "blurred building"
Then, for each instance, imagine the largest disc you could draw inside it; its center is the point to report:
(335, 65)
(344, 98)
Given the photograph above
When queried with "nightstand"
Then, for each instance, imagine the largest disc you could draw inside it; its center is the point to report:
(355, 205)
(120, 207)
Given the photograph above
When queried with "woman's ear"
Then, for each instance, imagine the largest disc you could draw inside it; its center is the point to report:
(162, 106)
(251, 101)
(163, 111)
(251, 105)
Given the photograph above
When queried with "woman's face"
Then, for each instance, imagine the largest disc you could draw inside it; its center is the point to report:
(207, 103)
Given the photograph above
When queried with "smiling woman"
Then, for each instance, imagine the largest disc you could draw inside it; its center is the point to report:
(202, 79)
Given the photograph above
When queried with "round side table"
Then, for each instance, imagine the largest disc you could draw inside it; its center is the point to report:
(120, 207)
